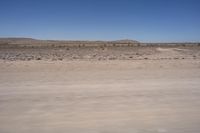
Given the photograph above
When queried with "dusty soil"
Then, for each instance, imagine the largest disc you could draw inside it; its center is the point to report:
(100, 90)
(101, 53)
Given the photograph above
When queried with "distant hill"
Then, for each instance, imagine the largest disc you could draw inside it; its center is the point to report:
(26, 42)
(127, 41)
(36, 40)
(17, 40)
(30, 42)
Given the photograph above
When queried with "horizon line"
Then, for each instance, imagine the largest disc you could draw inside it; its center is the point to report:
(96, 40)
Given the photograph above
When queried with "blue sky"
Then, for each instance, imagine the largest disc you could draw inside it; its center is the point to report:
(143, 20)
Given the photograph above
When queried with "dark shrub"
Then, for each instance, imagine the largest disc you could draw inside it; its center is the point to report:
(38, 58)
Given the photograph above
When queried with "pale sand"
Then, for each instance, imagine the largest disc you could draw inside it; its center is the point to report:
(141, 96)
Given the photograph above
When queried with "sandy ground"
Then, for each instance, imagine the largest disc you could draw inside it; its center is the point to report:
(121, 96)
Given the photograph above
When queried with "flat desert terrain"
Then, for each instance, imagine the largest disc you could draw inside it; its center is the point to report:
(119, 90)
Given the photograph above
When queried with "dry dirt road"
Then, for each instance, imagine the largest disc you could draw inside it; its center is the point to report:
(142, 96)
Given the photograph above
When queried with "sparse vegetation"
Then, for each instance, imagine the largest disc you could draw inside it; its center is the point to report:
(17, 49)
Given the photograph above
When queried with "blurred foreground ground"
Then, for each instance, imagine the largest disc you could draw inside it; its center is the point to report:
(121, 96)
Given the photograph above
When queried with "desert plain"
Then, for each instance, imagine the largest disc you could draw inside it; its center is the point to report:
(106, 89)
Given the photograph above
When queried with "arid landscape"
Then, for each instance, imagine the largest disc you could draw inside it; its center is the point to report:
(99, 87)
(26, 49)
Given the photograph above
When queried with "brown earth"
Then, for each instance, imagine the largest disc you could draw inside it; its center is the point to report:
(101, 53)
(100, 90)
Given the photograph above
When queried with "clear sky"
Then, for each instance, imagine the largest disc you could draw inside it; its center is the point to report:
(142, 20)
